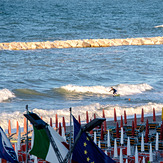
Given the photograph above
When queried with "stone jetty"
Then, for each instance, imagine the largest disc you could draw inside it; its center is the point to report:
(85, 43)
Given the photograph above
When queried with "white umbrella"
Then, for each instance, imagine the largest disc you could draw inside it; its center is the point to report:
(128, 147)
(126, 160)
(156, 145)
(142, 143)
(115, 148)
(121, 135)
(63, 133)
(95, 140)
(108, 139)
(16, 149)
(143, 159)
(99, 144)
(19, 139)
(150, 153)
(136, 154)
(121, 156)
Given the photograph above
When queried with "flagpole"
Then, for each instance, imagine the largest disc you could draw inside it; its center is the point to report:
(27, 137)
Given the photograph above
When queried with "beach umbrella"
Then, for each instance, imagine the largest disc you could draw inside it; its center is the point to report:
(146, 137)
(60, 130)
(16, 149)
(136, 154)
(142, 143)
(128, 147)
(115, 148)
(135, 121)
(102, 132)
(99, 144)
(95, 139)
(150, 153)
(133, 129)
(64, 124)
(25, 125)
(51, 123)
(56, 121)
(117, 130)
(121, 135)
(126, 161)
(121, 156)
(147, 126)
(108, 139)
(63, 133)
(105, 126)
(115, 117)
(156, 145)
(125, 117)
(87, 117)
(103, 113)
(154, 116)
(79, 119)
(143, 159)
(91, 132)
(94, 116)
(17, 128)
(142, 116)
(121, 121)
(19, 139)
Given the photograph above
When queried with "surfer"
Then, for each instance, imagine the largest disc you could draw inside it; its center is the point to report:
(114, 91)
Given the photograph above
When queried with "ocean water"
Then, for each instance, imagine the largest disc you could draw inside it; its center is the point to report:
(50, 81)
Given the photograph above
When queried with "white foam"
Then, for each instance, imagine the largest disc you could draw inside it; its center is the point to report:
(122, 89)
(81, 110)
(5, 94)
(159, 26)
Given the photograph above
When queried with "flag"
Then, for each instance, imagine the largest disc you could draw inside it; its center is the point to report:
(6, 150)
(42, 146)
(86, 150)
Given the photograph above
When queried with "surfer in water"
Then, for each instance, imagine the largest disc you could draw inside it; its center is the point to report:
(114, 91)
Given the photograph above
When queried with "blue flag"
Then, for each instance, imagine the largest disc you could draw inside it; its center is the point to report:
(86, 151)
(6, 150)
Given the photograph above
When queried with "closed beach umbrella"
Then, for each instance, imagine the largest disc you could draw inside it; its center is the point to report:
(95, 140)
(108, 139)
(150, 153)
(142, 143)
(136, 154)
(117, 131)
(115, 148)
(156, 145)
(128, 147)
(121, 135)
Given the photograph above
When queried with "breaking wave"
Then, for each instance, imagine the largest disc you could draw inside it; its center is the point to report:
(5, 95)
(122, 89)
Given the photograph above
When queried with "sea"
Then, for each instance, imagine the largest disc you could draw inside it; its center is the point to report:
(51, 81)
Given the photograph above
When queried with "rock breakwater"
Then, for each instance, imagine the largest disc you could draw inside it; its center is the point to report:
(81, 43)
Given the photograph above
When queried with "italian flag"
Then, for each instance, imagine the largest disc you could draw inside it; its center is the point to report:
(42, 146)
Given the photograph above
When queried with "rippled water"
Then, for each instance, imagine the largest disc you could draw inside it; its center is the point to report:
(52, 80)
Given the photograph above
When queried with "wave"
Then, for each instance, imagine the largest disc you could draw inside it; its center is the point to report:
(122, 89)
(6, 94)
(28, 92)
(81, 110)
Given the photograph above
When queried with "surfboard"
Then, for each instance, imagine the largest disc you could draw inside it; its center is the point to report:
(116, 95)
